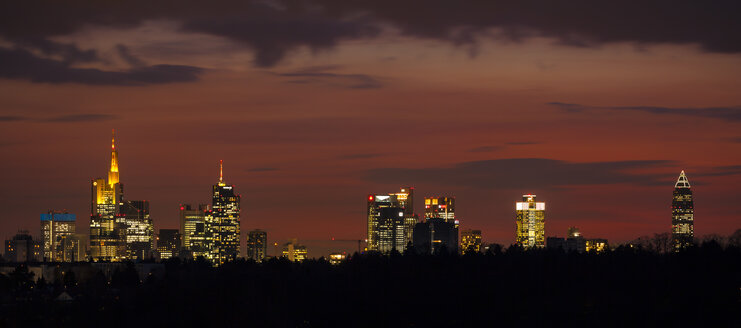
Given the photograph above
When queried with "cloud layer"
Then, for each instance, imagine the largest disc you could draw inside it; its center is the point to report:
(524, 173)
(724, 113)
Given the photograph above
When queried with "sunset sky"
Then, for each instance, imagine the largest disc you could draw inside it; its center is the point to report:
(594, 107)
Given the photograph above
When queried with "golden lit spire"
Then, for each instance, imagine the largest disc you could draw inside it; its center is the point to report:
(113, 173)
(221, 173)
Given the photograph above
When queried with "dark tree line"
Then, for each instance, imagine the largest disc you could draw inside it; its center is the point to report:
(512, 287)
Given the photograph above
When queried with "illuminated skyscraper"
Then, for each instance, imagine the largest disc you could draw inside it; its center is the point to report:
(683, 217)
(222, 223)
(386, 224)
(530, 222)
(107, 229)
(168, 243)
(134, 215)
(193, 229)
(441, 208)
(54, 227)
(257, 245)
(470, 241)
(397, 230)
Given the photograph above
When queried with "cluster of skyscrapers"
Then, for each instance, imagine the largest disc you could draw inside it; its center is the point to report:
(121, 229)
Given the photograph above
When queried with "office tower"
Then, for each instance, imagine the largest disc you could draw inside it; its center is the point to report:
(470, 241)
(223, 222)
(257, 245)
(107, 229)
(168, 243)
(397, 230)
(54, 226)
(294, 251)
(435, 235)
(405, 198)
(683, 226)
(22, 248)
(73, 248)
(530, 222)
(193, 230)
(139, 230)
(441, 208)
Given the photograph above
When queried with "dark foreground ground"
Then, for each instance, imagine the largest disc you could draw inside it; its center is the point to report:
(700, 287)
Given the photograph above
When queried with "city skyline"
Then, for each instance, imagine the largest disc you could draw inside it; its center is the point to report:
(314, 104)
(401, 204)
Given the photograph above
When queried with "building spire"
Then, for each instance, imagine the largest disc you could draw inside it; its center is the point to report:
(221, 172)
(113, 177)
(682, 181)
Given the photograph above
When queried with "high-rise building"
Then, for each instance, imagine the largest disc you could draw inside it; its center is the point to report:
(139, 229)
(294, 251)
(23, 248)
(470, 241)
(337, 258)
(54, 226)
(441, 208)
(391, 229)
(107, 228)
(530, 222)
(73, 248)
(405, 198)
(435, 235)
(223, 223)
(257, 245)
(168, 243)
(683, 217)
(193, 229)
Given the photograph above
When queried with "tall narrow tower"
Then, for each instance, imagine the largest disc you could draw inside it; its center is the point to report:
(530, 222)
(683, 214)
(107, 233)
(223, 222)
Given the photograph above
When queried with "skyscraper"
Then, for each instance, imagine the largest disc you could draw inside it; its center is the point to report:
(257, 245)
(22, 248)
(223, 222)
(435, 235)
(683, 217)
(168, 243)
(386, 224)
(139, 231)
(193, 229)
(55, 226)
(470, 241)
(397, 230)
(440, 207)
(107, 231)
(530, 222)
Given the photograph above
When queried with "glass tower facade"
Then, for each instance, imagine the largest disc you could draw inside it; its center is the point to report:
(139, 229)
(193, 229)
(55, 228)
(257, 245)
(530, 222)
(395, 229)
(107, 228)
(223, 223)
(683, 214)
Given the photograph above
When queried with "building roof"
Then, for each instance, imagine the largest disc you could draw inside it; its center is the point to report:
(682, 181)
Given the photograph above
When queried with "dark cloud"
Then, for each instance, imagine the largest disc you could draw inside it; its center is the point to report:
(82, 118)
(22, 64)
(525, 173)
(724, 113)
(12, 118)
(736, 139)
(130, 59)
(262, 169)
(322, 75)
(72, 118)
(275, 28)
(721, 171)
(484, 149)
(68, 52)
